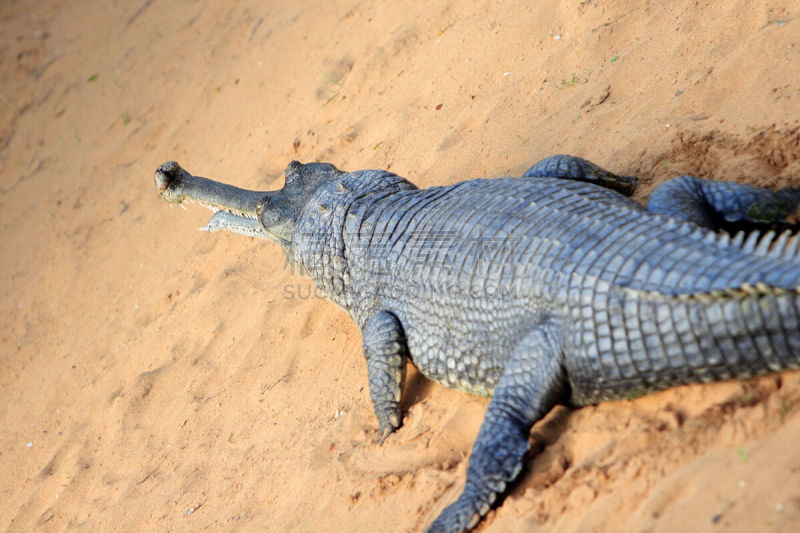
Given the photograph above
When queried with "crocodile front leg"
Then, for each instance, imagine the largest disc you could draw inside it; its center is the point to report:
(532, 383)
(385, 349)
(723, 205)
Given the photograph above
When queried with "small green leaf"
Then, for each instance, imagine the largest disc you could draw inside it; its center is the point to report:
(613, 59)
(93, 77)
(743, 455)
(331, 99)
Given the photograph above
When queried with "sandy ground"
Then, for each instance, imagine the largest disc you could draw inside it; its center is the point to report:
(157, 378)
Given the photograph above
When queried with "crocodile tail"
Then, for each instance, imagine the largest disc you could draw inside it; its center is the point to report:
(722, 335)
(637, 342)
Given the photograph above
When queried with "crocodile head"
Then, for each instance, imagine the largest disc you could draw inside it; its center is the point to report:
(268, 215)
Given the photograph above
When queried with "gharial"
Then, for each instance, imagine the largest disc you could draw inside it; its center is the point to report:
(552, 288)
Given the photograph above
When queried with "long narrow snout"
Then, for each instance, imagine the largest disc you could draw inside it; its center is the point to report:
(268, 215)
(177, 185)
(235, 209)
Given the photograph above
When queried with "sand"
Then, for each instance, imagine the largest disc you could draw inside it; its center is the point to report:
(158, 378)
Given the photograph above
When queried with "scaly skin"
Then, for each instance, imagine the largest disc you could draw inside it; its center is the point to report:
(536, 291)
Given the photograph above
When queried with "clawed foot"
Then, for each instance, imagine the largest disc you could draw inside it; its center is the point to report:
(464, 514)
(389, 424)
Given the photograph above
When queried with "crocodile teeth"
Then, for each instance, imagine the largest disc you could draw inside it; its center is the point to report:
(240, 214)
(214, 209)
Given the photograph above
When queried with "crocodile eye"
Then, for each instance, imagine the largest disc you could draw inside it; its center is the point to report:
(291, 180)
